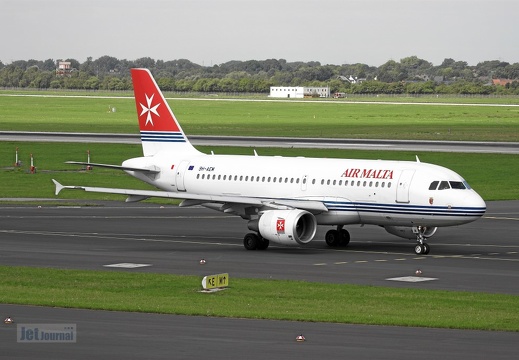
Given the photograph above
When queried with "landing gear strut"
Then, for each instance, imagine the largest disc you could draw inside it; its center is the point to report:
(253, 241)
(422, 248)
(337, 237)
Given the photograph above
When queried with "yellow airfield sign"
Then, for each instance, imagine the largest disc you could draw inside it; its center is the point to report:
(215, 281)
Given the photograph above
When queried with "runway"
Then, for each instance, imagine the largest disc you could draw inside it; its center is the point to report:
(482, 256)
(281, 142)
(116, 335)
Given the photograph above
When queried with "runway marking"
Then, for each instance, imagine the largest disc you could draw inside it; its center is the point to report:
(341, 262)
(412, 279)
(500, 218)
(127, 265)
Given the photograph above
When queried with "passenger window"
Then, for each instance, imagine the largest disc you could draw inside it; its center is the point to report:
(444, 185)
(433, 185)
(198, 176)
(388, 185)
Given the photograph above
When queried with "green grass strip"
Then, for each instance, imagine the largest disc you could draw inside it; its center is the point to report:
(269, 118)
(258, 299)
(493, 176)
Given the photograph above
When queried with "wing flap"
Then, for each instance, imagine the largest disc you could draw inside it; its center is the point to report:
(195, 199)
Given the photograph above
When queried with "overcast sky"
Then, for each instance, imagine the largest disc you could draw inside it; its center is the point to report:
(211, 32)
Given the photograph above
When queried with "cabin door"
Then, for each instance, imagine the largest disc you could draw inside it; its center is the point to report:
(181, 170)
(403, 185)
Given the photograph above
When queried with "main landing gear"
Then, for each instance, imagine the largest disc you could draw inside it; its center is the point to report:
(422, 248)
(253, 241)
(337, 237)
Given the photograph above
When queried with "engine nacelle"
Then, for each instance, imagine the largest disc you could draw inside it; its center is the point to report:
(287, 227)
(411, 232)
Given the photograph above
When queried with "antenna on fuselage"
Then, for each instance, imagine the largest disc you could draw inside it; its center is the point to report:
(417, 160)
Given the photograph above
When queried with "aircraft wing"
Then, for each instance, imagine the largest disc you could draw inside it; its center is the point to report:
(118, 167)
(197, 199)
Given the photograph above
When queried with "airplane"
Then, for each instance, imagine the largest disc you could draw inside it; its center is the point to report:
(284, 199)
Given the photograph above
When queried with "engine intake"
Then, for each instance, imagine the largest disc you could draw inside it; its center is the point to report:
(287, 227)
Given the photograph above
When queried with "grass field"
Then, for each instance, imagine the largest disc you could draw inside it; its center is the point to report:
(259, 299)
(50, 158)
(269, 118)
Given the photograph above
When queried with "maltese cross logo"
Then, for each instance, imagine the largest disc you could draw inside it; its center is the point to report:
(149, 109)
(280, 225)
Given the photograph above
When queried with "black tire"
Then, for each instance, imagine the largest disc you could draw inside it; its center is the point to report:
(345, 237)
(332, 238)
(263, 244)
(427, 248)
(251, 241)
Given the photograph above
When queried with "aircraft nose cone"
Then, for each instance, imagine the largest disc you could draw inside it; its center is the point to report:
(478, 204)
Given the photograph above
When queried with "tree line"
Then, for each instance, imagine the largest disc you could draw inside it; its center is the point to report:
(410, 75)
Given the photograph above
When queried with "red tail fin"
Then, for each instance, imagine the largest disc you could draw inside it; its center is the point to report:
(160, 131)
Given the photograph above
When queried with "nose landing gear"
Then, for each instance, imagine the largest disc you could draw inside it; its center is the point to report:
(422, 248)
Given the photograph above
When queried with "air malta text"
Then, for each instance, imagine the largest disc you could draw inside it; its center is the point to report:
(368, 174)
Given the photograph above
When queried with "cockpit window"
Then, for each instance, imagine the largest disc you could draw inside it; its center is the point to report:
(444, 185)
(457, 185)
(467, 185)
(433, 185)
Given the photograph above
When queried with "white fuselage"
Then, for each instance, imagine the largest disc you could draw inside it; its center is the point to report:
(354, 191)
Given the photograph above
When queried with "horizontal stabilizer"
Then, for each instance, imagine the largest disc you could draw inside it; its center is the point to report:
(117, 167)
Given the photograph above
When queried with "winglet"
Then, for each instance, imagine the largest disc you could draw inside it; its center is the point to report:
(59, 187)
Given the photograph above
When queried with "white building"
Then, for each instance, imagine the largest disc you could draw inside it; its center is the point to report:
(298, 92)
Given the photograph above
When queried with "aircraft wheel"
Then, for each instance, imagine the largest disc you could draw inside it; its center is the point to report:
(345, 237)
(251, 241)
(419, 249)
(263, 244)
(332, 238)
(427, 248)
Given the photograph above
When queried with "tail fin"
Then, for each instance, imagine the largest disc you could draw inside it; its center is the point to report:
(160, 130)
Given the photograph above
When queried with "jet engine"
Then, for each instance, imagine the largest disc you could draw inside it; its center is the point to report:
(411, 232)
(287, 227)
